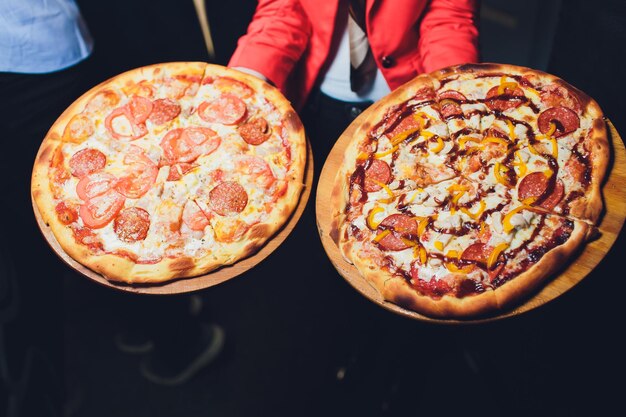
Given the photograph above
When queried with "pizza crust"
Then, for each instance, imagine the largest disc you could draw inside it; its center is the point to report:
(119, 268)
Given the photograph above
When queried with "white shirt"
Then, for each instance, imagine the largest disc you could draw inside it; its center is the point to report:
(336, 82)
(40, 36)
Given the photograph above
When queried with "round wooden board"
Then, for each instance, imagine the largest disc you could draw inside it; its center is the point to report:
(203, 281)
(614, 194)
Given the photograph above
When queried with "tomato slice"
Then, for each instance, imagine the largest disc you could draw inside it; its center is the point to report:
(98, 211)
(140, 109)
(137, 182)
(185, 145)
(95, 184)
(141, 174)
(194, 217)
(126, 129)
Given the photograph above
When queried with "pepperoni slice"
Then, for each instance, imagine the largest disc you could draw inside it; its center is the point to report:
(476, 252)
(566, 121)
(255, 131)
(378, 171)
(228, 109)
(227, 198)
(100, 210)
(194, 217)
(78, 129)
(132, 224)
(87, 161)
(178, 170)
(163, 111)
(95, 184)
(535, 184)
(140, 109)
(401, 226)
(555, 197)
(449, 103)
(508, 100)
(408, 123)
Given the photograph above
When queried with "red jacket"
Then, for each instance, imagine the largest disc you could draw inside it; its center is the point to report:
(289, 41)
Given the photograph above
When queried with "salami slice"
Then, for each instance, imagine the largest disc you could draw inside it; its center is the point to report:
(87, 161)
(565, 120)
(132, 224)
(507, 101)
(378, 171)
(163, 111)
(255, 131)
(401, 226)
(227, 109)
(476, 252)
(449, 103)
(535, 185)
(228, 198)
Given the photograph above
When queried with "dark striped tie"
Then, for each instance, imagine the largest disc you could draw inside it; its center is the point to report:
(362, 63)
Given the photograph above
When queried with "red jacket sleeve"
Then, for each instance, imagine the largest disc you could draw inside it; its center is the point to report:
(276, 38)
(448, 34)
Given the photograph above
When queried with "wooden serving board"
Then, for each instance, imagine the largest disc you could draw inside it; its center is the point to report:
(614, 194)
(203, 281)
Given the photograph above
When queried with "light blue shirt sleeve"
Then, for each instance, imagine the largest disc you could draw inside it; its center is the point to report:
(40, 36)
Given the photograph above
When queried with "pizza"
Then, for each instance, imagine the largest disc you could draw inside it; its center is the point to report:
(467, 188)
(170, 171)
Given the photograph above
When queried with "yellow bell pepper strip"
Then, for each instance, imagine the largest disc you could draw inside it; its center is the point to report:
(439, 146)
(479, 212)
(372, 224)
(497, 171)
(379, 155)
(387, 190)
(520, 164)
(494, 139)
(495, 254)
(381, 235)
(464, 139)
(455, 269)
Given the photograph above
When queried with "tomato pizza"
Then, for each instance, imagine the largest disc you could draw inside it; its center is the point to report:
(170, 171)
(465, 189)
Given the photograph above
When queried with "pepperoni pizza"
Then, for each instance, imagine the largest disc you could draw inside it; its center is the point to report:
(170, 171)
(465, 189)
